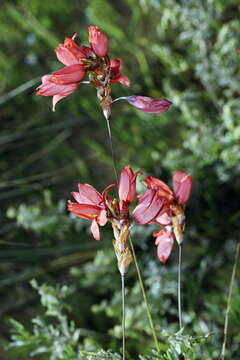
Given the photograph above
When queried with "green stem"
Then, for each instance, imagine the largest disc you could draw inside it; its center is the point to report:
(112, 151)
(234, 270)
(179, 286)
(123, 316)
(144, 296)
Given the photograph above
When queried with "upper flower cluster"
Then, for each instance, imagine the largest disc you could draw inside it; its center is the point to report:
(79, 61)
(102, 71)
(159, 204)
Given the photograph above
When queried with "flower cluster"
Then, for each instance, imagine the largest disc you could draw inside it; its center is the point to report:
(102, 71)
(100, 208)
(157, 205)
(165, 207)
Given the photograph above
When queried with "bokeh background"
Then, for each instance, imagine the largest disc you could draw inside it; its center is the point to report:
(182, 50)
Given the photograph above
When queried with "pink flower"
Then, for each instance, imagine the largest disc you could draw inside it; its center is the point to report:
(58, 91)
(61, 83)
(149, 207)
(70, 53)
(127, 184)
(98, 41)
(116, 76)
(90, 205)
(164, 242)
(182, 186)
(149, 105)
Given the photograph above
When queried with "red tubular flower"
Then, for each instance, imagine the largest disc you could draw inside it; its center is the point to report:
(98, 41)
(127, 184)
(149, 105)
(116, 76)
(90, 205)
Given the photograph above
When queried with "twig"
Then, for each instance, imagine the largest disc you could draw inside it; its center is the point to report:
(112, 151)
(228, 309)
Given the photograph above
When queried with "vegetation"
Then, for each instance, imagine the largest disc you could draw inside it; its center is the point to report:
(182, 50)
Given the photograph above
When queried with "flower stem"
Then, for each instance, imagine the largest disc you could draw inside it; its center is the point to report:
(144, 296)
(123, 316)
(112, 151)
(228, 309)
(179, 285)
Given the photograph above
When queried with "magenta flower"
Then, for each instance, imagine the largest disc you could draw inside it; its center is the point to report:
(98, 41)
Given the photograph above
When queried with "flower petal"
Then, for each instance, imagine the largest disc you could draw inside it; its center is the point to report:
(68, 75)
(182, 185)
(98, 41)
(149, 105)
(95, 230)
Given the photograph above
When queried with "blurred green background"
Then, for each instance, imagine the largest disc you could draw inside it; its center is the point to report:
(182, 50)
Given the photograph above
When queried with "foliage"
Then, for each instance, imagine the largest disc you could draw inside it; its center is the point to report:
(181, 50)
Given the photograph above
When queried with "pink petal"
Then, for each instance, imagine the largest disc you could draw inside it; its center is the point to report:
(182, 185)
(102, 218)
(89, 195)
(65, 56)
(98, 41)
(148, 208)
(164, 246)
(124, 183)
(123, 79)
(115, 66)
(95, 230)
(149, 105)
(84, 210)
(69, 74)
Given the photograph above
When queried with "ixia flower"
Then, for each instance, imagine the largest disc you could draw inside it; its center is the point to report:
(163, 206)
(79, 61)
(102, 72)
(100, 209)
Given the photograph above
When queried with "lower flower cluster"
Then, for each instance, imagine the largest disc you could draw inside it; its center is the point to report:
(159, 205)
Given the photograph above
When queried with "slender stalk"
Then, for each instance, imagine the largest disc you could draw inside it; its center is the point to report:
(179, 285)
(228, 309)
(144, 296)
(123, 316)
(112, 151)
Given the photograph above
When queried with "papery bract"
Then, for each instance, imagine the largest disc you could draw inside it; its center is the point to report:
(149, 105)
(98, 41)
